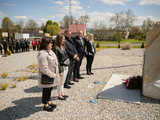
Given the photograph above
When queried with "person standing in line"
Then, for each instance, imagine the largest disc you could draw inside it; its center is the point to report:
(63, 62)
(1, 48)
(80, 46)
(17, 46)
(34, 44)
(73, 56)
(5, 46)
(48, 65)
(90, 52)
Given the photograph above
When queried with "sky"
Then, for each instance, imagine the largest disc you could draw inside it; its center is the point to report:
(99, 11)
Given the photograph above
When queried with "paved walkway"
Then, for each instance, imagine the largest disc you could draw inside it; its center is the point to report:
(24, 101)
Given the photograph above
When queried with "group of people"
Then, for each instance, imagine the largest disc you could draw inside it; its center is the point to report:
(15, 46)
(61, 60)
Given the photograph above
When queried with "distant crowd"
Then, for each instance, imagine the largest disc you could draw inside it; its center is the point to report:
(18, 46)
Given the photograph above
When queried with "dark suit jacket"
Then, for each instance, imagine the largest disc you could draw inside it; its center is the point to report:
(90, 49)
(79, 46)
(70, 47)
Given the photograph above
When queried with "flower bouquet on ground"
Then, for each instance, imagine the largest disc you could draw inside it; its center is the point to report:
(134, 82)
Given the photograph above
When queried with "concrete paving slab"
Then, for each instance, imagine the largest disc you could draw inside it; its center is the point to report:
(116, 90)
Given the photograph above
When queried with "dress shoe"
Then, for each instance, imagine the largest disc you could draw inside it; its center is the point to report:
(80, 77)
(61, 98)
(67, 86)
(76, 80)
(53, 105)
(65, 96)
(70, 83)
(88, 73)
(48, 108)
(92, 73)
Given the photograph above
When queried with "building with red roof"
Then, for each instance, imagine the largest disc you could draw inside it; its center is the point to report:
(75, 29)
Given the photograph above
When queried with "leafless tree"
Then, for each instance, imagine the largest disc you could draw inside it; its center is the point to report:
(66, 21)
(83, 19)
(123, 21)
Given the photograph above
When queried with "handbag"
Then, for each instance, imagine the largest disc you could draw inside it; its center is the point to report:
(45, 79)
(66, 62)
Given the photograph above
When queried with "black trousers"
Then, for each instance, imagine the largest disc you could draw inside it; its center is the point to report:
(46, 95)
(34, 47)
(70, 71)
(0, 51)
(90, 59)
(77, 67)
(5, 51)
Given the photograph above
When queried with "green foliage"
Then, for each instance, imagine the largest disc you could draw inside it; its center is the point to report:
(137, 33)
(31, 25)
(4, 75)
(3, 86)
(17, 28)
(117, 37)
(98, 45)
(7, 24)
(52, 28)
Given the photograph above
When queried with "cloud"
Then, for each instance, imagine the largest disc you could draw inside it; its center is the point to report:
(76, 9)
(59, 2)
(51, 17)
(7, 4)
(104, 19)
(2, 14)
(20, 17)
(118, 2)
(140, 19)
(147, 2)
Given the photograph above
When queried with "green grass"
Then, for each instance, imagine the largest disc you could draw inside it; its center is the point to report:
(133, 41)
(104, 47)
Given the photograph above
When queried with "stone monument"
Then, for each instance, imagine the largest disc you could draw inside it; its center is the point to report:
(151, 70)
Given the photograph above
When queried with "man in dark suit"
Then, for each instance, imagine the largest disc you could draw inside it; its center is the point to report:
(73, 56)
(80, 46)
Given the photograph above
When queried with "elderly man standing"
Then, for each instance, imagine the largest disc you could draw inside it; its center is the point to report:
(80, 46)
(73, 56)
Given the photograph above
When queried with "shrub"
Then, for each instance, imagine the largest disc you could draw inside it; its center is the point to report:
(33, 67)
(13, 85)
(126, 46)
(9, 52)
(21, 78)
(98, 45)
(3, 86)
(117, 37)
(26, 77)
(4, 75)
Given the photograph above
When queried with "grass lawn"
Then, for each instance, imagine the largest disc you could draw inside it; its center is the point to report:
(133, 41)
(104, 47)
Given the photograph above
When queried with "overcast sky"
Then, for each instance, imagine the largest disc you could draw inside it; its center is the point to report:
(98, 10)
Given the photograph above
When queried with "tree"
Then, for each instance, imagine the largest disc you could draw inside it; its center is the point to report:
(52, 28)
(129, 19)
(66, 21)
(137, 33)
(17, 28)
(147, 24)
(20, 24)
(123, 21)
(83, 19)
(7, 25)
(31, 25)
(116, 19)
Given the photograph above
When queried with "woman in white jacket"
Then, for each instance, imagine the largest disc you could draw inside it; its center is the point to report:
(48, 65)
